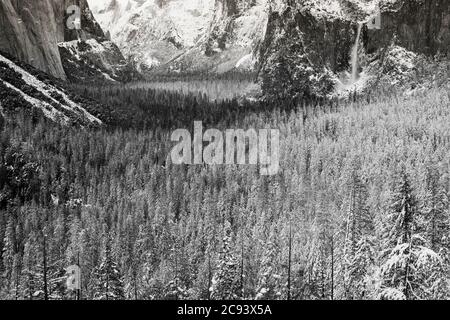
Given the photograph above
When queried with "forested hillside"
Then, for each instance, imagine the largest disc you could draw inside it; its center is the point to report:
(359, 210)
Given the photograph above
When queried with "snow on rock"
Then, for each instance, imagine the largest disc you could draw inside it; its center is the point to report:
(395, 70)
(235, 34)
(202, 35)
(95, 60)
(247, 62)
(52, 101)
(181, 35)
(328, 8)
(151, 33)
(356, 10)
(399, 63)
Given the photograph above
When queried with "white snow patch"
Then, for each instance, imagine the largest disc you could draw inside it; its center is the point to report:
(45, 90)
(335, 9)
(107, 77)
(72, 46)
(246, 62)
(48, 110)
(135, 24)
(152, 34)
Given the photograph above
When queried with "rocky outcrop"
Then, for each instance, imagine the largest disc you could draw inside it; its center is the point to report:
(33, 93)
(97, 61)
(36, 32)
(308, 44)
(302, 53)
(421, 26)
(237, 23)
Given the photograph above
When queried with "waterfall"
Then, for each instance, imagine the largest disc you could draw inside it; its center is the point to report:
(355, 55)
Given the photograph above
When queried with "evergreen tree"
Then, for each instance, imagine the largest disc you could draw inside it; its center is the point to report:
(359, 254)
(8, 256)
(108, 283)
(436, 224)
(226, 280)
(44, 277)
(410, 270)
(269, 278)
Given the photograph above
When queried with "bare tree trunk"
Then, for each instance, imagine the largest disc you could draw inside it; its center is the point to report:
(209, 275)
(332, 267)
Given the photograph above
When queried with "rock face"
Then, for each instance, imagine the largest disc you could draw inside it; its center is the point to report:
(302, 53)
(237, 29)
(36, 32)
(421, 26)
(185, 36)
(308, 44)
(298, 48)
(151, 33)
(92, 60)
(31, 33)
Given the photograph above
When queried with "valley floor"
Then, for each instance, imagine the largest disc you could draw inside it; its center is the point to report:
(214, 90)
(359, 209)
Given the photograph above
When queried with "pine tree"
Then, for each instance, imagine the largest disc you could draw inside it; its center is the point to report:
(108, 283)
(410, 270)
(8, 255)
(28, 284)
(138, 260)
(435, 210)
(322, 262)
(175, 289)
(358, 255)
(11, 263)
(43, 276)
(226, 280)
(269, 279)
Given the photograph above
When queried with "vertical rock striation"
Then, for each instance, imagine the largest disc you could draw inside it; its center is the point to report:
(35, 32)
(30, 33)
(421, 26)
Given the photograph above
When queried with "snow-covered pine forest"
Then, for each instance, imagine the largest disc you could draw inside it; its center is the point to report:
(360, 209)
(91, 91)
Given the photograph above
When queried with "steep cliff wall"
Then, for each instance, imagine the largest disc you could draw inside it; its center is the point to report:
(421, 26)
(36, 32)
(302, 52)
(237, 23)
(179, 35)
(152, 33)
(30, 32)
(308, 44)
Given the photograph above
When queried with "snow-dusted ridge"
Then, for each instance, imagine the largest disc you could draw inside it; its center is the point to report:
(183, 35)
(204, 35)
(62, 110)
(151, 34)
